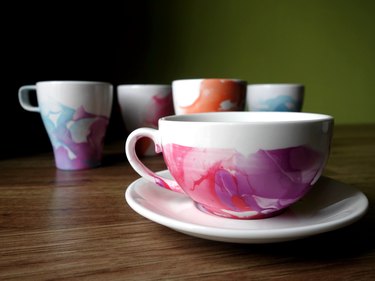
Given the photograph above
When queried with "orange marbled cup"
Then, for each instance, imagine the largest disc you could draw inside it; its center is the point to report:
(208, 95)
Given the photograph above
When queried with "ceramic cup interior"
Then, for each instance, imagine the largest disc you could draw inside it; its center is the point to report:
(244, 165)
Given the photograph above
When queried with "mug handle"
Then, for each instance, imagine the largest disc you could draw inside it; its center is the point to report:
(139, 167)
(24, 98)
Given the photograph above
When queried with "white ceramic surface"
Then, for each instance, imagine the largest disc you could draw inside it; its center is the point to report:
(330, 205)
(94, 96)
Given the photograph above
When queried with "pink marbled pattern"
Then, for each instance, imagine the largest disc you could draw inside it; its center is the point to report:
(227, 183)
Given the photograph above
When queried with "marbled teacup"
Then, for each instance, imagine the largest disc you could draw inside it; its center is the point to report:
(275, 97)
(208, 95)
(244, 165)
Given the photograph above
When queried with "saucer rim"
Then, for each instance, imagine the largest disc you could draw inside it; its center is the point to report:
(243, 235)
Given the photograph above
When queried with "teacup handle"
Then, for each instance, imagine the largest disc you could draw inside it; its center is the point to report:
(139, 167)
(24, 98)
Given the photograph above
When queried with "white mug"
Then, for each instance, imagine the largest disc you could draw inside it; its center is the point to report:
(76, 115)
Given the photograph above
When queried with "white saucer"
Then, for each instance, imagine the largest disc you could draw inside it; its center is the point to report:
(329, 205)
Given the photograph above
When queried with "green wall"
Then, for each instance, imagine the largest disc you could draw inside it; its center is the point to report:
(328, 45)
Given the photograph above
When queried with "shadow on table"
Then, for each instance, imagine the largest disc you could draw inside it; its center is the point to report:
(346, 242)
(111, 159)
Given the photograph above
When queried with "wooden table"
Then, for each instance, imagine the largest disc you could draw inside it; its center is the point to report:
(77, 225)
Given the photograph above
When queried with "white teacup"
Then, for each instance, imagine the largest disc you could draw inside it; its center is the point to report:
(208, 95)
(142, 105)
(243, 165)
(275, 97)
(76, 116)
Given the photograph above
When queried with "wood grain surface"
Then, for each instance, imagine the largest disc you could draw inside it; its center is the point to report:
(61, 225)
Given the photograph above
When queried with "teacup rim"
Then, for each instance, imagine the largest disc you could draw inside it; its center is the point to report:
(274, 117)
(210, 78)
(139, 85)
(266, 85)
(87, 82)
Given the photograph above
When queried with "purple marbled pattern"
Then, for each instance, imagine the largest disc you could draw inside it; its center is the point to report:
(258, 185)
(77, 137)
